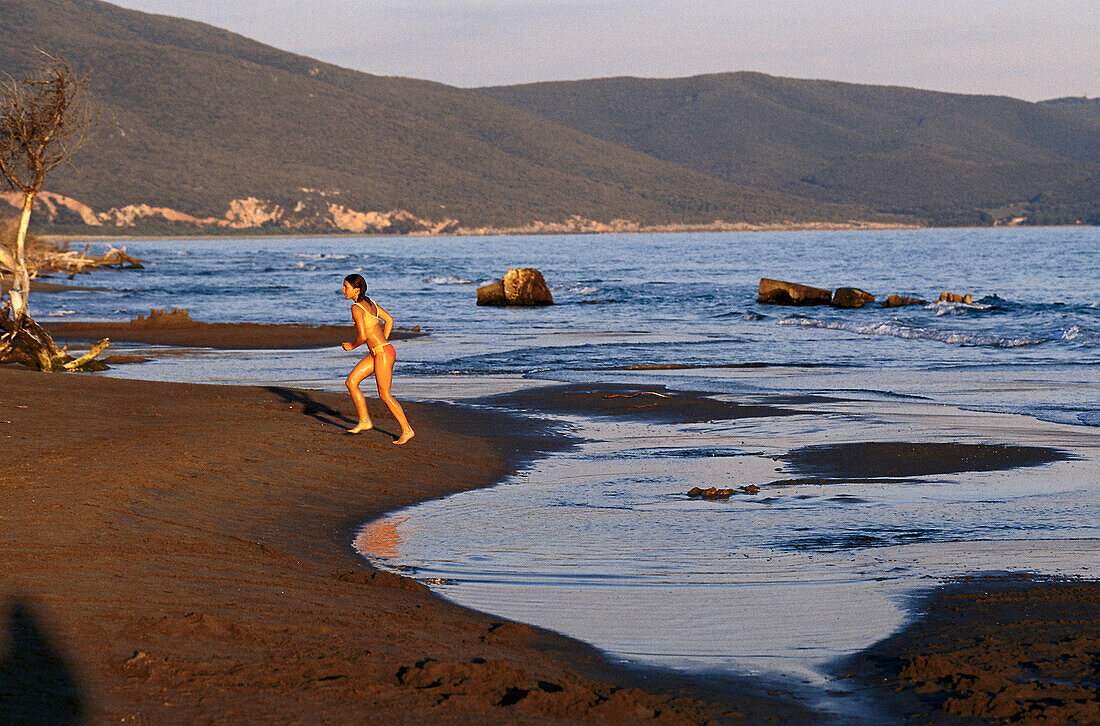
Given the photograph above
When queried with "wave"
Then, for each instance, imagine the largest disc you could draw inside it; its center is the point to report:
(1078, 334)
(320, 256)
(583, 290)
(299, 267)
(447, 281)
(950, 308)
(1090, 418)
(897, 329)
(671, 452)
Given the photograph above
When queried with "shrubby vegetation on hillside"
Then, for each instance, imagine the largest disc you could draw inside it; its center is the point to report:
(203, 117)
(946, 158)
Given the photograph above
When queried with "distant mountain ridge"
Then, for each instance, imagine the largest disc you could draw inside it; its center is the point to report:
(210, 129)
(203, 117)
(1083, 105)
(898, 150)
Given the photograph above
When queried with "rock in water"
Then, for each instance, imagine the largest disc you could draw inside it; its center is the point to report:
(711, 493)
(955, 298)
(491, 294)
(776, 292)
(525, 286)
(897, 301)
(851, 297)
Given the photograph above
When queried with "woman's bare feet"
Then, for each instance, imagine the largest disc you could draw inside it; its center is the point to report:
(405, 436)
(361, 426)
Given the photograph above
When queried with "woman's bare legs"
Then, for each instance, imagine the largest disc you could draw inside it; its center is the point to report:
(383, 376)
(361, 370)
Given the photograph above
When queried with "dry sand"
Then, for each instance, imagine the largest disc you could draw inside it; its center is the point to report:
(182, 553)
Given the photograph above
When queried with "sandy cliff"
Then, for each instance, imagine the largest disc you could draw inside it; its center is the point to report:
(311, 212)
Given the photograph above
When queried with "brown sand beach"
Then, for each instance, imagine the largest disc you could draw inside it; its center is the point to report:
(178, 329)
(1008, 649)
(182, 553)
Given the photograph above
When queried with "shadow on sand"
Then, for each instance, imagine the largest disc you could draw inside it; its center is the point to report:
(36, 684)
(314, 409)
(325, 414)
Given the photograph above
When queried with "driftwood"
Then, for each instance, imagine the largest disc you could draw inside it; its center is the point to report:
(27, 343)
(86, 359)
(82, 263)
(70, 262)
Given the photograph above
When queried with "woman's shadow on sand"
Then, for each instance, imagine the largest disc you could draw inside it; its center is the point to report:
(317, 410)
(36, 684)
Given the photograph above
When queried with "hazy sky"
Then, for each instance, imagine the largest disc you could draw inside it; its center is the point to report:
(1031, 49)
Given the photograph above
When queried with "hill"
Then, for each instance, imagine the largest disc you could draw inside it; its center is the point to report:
(1081, 105)
(208, 127)
(947, 157)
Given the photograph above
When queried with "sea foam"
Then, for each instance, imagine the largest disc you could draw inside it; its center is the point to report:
(898, 329)
(447, 281)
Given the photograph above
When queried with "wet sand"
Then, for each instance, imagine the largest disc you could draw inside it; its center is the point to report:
(906, 459)
(226, 336)
(986, 649)
(654, 404)
(182, 553)
(991, 650)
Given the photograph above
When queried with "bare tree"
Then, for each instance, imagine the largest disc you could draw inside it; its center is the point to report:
(43, 122)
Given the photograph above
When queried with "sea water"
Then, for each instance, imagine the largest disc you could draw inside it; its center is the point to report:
(625, 301)
(601, 542)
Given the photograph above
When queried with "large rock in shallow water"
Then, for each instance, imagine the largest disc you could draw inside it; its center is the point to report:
(777, 292)
(491, 294)
(851, 297)
(521, 286)
(525, 286)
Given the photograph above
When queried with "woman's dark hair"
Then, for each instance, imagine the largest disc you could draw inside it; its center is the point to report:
(357, 281)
